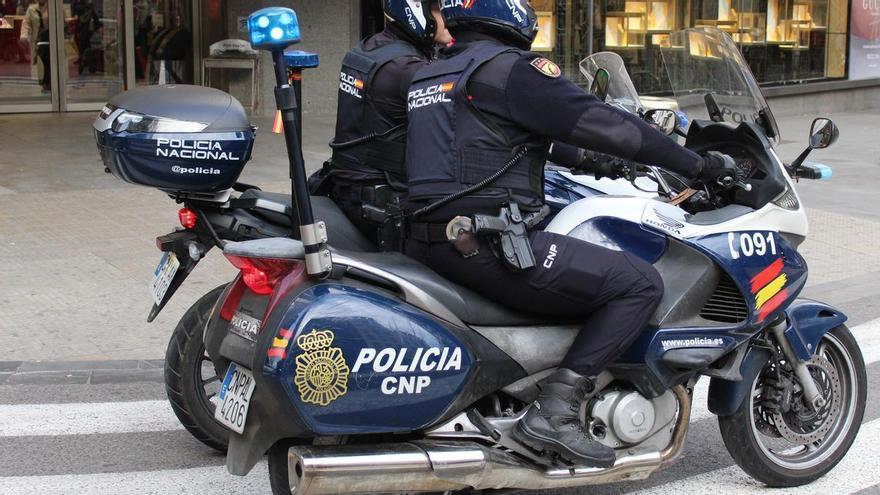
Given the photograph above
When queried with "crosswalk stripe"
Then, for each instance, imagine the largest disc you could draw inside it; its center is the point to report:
(214, 480)
(86, 418)
(857, 471)
(866, 334)
(156, 415)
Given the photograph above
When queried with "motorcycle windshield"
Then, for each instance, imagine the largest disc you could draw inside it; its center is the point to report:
(703, 61)
(621, 91)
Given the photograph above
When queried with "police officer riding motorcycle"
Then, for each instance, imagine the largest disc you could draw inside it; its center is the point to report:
(365, 175)
(481, 119)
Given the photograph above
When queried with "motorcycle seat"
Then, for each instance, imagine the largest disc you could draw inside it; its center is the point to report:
(427, 290)
(421, 286)
(341, 233)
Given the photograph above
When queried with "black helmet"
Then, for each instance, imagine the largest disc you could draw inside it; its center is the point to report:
(414, 17)
(513, 20)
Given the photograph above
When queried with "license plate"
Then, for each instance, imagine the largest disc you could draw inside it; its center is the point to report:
(163, 276)
(245, 325)
(235, 397)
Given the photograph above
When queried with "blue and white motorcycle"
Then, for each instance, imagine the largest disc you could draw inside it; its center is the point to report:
(365, 372)
(371, 374)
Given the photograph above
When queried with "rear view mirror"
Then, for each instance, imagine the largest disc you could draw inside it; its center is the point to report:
(599, 88)
(663, 119)
(823, 133)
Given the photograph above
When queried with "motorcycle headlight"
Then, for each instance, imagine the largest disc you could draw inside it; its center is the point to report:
(138, 122)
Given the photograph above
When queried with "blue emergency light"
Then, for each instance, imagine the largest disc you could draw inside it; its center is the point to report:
(298, 59)
(273, 27)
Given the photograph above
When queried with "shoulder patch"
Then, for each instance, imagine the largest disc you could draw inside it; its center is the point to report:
(546, 67)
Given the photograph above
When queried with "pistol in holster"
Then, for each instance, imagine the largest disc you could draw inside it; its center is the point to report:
(385, 210)
(509, 234)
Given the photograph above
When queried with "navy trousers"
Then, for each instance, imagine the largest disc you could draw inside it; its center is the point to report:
(614, 292)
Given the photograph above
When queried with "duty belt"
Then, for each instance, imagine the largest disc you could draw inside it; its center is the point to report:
(431, 233)
(357, 193)
(507, 233)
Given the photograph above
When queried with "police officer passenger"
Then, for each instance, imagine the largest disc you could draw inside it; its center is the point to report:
(367, 165)
(484, 114)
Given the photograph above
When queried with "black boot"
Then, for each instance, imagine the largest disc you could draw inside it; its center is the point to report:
(553, 422)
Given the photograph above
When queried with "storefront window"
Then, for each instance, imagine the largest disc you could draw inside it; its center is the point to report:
(163, 42)
(784, 41)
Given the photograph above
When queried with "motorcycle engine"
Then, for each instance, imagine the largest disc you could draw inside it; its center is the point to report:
(626, 417)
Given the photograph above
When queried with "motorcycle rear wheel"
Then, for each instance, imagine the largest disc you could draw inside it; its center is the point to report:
(752, 441)
(191, 380)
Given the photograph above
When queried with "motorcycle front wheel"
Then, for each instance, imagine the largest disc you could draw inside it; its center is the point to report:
(777, 439)
(191, 381)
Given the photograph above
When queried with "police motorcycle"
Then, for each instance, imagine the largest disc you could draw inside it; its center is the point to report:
(193, 142)
(367, 372)
(145, 134)
(371, 374)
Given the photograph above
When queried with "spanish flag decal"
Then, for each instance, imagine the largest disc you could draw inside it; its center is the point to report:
(279, 345)
(769, 290)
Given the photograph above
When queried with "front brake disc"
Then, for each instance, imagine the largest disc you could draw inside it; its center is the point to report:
(807, 429)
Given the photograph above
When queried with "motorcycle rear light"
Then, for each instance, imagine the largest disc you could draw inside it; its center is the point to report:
(187, 218)
(233, 300)
(261, 275)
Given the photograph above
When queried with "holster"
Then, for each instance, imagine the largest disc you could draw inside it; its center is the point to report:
(321, 182)
(509, 234)
(381, 205)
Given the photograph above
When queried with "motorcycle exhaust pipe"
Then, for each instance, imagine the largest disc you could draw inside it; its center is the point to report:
(395, 467)
(438, 465)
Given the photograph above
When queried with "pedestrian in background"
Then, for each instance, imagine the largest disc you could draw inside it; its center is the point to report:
(35, 38)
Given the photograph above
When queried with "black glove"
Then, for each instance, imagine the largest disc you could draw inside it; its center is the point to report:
(602, 165)
(717, 167)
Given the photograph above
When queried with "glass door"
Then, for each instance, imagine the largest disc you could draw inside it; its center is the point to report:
(27, 41)
(91, 58)
(163, 41)
(70, 55)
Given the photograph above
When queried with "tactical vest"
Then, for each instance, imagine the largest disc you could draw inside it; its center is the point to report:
(454, 145)
(358, 116)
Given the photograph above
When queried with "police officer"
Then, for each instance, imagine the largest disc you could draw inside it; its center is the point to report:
(367, 165)
(481, 119)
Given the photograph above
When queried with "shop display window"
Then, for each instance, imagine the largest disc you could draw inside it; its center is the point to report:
(784, 41)
(628, 27)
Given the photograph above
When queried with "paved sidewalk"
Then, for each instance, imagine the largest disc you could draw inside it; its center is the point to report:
(77, 245)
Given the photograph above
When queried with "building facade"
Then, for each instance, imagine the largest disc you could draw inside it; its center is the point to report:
(67, 55)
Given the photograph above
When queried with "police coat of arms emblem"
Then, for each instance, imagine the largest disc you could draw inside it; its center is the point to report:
(321, 373)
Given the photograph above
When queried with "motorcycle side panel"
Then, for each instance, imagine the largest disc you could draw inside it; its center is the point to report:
(768, 279)
(808, 321)
(768, 271)
(353, 361)
(622, 235)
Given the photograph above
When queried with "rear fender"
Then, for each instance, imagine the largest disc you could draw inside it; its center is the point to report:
(808, 321)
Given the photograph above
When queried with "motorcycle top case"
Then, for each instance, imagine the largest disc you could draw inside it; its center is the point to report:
(178, 138)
